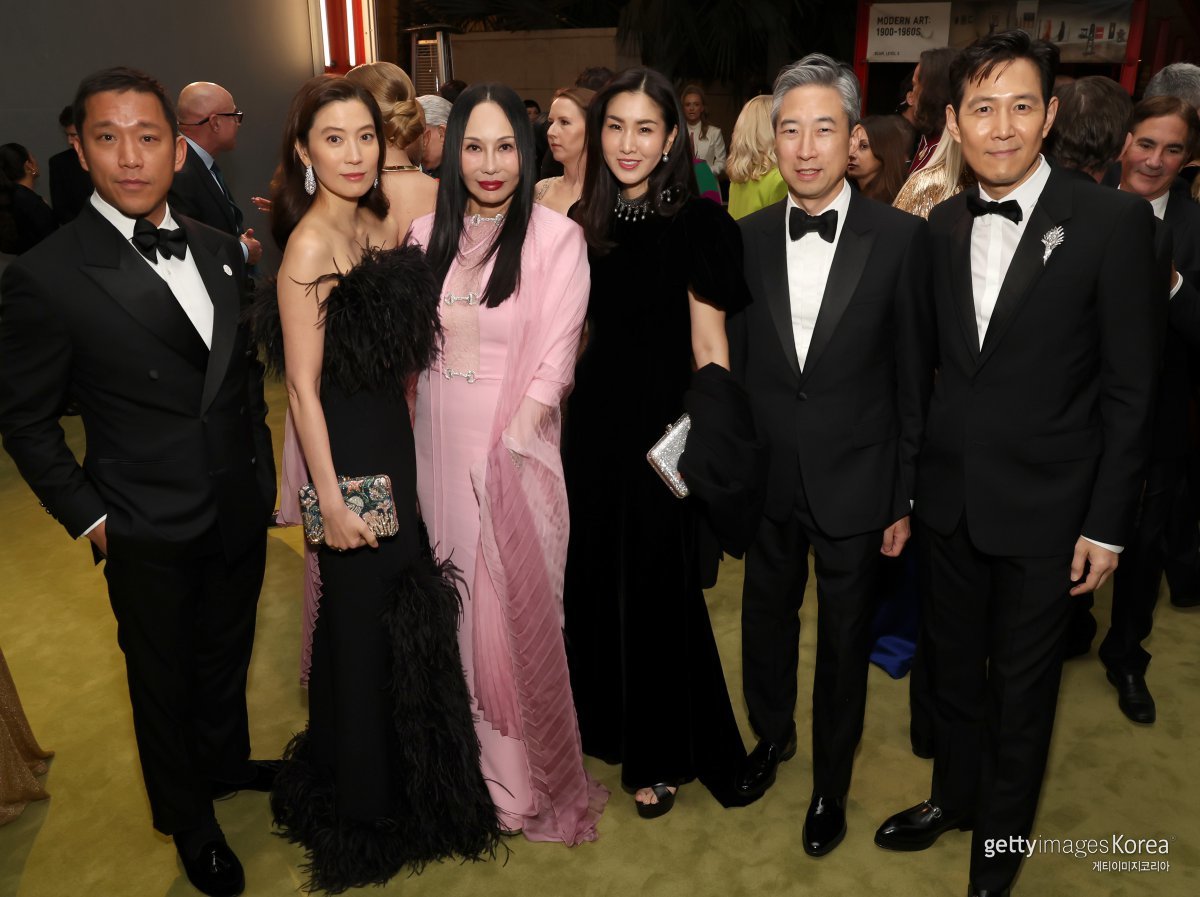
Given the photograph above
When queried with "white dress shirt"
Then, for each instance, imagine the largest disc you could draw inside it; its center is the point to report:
(994, 241)
(808, 262)
(181, 276)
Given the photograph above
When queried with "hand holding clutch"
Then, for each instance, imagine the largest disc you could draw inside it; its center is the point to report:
(370, 497)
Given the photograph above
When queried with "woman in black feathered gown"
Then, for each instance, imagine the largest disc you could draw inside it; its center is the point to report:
(386, 777)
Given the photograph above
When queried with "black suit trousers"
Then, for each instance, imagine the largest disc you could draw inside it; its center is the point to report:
(1140, 572)
(186, 627)
(994, 629)
(848, 574)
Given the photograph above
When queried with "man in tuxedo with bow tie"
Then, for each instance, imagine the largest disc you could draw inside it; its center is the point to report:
(133, 314)
(835, 352)
(1050, 318)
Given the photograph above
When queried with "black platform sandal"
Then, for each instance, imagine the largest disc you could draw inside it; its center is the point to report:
(666, 800)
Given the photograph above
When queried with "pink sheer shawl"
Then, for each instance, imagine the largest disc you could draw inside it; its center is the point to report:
(521, 682)
(293, 475)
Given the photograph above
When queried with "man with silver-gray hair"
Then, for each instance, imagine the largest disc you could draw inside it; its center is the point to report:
(824, 71)
(1179, 79)
(835, 353)
(437, 113)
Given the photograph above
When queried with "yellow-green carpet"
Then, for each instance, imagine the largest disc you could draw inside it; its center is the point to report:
(93, 836)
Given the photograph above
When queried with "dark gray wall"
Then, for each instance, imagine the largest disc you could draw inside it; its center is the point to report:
(260, 50)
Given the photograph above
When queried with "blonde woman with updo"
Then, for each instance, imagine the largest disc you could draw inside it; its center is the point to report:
(567, 137)
(754, 178)
(410, 192)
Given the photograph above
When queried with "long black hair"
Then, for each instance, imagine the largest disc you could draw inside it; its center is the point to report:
(671, 181)
(289, 200)
(452, 194)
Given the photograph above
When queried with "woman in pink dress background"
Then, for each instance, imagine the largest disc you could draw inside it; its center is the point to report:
(490, 483)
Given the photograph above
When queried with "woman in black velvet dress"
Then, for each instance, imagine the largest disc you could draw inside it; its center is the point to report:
(386, 777)
(666, 266)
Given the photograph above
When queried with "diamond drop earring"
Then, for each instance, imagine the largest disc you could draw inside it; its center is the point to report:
(310, 181)
(376, 184)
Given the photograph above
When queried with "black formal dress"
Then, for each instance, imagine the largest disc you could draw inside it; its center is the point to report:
(387, 774)
(645, 670)
(33, 219)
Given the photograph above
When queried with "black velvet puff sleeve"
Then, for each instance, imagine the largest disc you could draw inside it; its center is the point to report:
(712, 244)
(381, 322)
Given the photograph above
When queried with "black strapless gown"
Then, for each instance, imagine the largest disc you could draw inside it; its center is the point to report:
(386, 776)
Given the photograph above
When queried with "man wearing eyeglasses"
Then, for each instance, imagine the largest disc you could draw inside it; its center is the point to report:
(209, 120)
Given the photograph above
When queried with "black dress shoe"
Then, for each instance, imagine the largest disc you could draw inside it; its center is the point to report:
(215, 871)
(918, 827)
(825, 825)
(1133, 697)
(973, 891)
(759, 772)
(263, 779)
(1185, 600)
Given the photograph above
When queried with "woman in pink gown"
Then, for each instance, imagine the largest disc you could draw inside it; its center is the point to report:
(489, 473)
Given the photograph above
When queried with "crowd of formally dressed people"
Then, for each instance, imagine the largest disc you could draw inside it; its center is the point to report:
(945, 335)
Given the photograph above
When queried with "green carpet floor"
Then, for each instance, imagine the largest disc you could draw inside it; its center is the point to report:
(93, 836)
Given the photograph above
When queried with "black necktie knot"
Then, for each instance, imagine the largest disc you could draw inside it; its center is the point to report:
(151, 241)
(823, 225)
(1010, 208)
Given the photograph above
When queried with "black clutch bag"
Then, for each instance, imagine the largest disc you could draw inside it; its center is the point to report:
(370, 497)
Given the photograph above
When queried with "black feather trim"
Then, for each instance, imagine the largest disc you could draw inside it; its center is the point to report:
(442, 805)
(381, 322)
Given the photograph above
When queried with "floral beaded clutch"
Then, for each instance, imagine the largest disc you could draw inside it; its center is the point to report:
(664, 456)
(369, 497)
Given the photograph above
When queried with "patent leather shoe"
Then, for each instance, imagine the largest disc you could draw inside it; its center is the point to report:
(761, 766)
(917, 827)
(263, 774)
(215, 870)
(824, 825)
(1133, 697)
(973, 891)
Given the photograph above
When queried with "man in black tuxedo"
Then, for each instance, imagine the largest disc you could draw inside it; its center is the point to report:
(134, 315)
(70, 186)
(836, 355)
(1049, 322)
(1163, 135)
(209, 120)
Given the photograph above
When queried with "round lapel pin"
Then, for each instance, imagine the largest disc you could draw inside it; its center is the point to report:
(227, 270)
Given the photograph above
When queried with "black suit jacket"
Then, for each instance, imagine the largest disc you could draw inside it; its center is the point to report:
(1042, 435)
(70, 185)
(169, 447)
(195, 193)
(849, 424)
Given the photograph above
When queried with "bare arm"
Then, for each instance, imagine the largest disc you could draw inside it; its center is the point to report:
(306, 259)
(709, 343)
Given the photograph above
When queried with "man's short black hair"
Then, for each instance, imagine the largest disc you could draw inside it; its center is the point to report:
(533, 104)
(66, 118)
(1003, 48)
(119, 80)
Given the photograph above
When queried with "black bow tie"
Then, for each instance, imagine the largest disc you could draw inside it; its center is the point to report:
(148, 238)
(1010, 208)
(823, 225)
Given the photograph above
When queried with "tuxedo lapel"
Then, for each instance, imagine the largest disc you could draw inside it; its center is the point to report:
(849, 263)
(961, 281)
(114, 265)
(1053, 208)
(222, 288)
(215, 194)
(774, 277)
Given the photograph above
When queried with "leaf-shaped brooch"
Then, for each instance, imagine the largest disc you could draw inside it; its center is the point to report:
(1052, 239)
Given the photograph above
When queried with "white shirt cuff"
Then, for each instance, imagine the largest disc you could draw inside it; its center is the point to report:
(1174, 289)
(246, 254)
(1115, 549)
(83, 534)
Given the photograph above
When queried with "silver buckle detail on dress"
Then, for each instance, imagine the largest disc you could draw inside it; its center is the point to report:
(470, 299)
(469, 376)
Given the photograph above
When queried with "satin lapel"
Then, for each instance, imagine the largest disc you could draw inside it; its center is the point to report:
(116, 268)
(223, 292)
(849, 262)
(961, 281)
(1053, 207)
(774, 275)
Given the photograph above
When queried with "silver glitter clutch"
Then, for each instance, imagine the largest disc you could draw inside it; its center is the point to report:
(664, 457)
